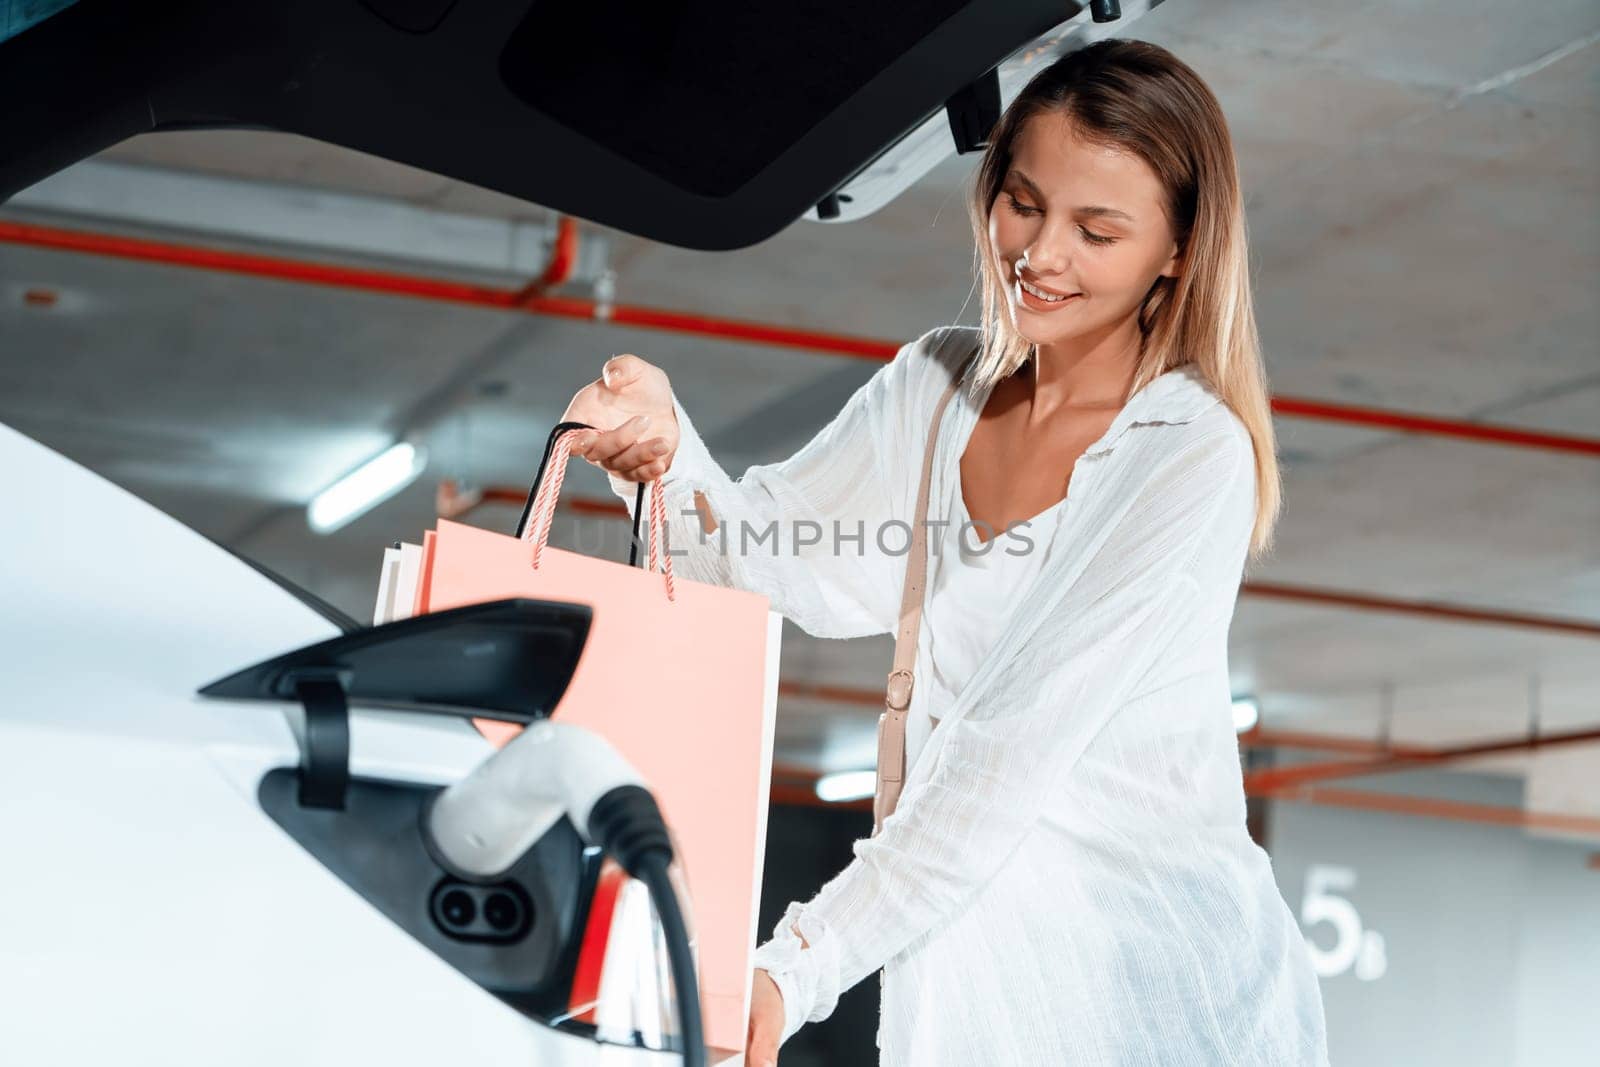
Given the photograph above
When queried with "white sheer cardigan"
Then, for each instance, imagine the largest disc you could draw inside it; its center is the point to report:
(1067, 877)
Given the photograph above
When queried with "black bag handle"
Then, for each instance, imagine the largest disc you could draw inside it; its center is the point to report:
(538, 480)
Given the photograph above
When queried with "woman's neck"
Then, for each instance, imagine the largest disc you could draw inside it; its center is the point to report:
(1093, 371)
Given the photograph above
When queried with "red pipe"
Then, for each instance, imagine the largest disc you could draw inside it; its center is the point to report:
(802, 794)
(1430, 807)
(1256, 737)
(1260, 783)
(530, 299)
(1425, 424)
(424, 288)
(563, 258)
(1425, 609)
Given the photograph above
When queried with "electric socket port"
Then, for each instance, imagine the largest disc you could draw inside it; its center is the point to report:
(501, 912)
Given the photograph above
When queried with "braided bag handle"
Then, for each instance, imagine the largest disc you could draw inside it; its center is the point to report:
(540, 509)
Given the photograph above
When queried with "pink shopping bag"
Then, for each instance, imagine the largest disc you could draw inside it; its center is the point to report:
(681, 677)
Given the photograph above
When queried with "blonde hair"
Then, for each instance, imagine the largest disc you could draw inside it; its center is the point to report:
(1142, 99)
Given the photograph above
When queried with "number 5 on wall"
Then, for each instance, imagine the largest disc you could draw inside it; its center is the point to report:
(1351, 946)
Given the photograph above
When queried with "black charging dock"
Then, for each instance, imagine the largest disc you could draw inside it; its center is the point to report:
(518, 936)
(505, 659)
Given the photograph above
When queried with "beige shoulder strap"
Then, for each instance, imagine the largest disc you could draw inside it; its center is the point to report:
(892, 723)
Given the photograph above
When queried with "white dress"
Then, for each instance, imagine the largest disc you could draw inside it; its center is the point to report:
(1067, 877)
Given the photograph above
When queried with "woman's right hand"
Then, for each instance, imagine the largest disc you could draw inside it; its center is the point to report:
(630, 405)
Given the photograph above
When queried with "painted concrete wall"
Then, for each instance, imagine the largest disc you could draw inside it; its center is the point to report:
(1467, 944)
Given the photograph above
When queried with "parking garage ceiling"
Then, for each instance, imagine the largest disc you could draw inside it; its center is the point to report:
(1420, 189)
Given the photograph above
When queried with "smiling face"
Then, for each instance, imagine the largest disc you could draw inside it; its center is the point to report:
(1079, 220)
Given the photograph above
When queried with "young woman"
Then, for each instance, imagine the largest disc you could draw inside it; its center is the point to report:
(1067, 877)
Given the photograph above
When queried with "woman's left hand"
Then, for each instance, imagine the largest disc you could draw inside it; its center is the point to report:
(766, 1022)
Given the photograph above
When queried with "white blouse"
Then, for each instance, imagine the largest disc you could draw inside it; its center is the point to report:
(1067, 877)
(972, 589)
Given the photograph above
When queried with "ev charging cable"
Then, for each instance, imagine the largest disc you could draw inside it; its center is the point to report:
(484, 823)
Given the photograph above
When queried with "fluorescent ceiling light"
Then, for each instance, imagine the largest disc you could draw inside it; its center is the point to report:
(847, 785)
(366, 487)
(1245, 714)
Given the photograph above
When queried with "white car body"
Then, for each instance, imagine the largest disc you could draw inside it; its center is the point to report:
(150, 911)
